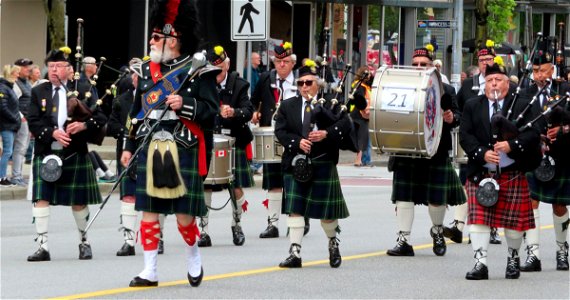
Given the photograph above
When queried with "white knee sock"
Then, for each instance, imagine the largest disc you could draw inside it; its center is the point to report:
(129, 221)
(436, 214)
(533, 235)
(296, 229)
(41, 219)
(560, 234)
(193, 259)
(274, 207)
(81, 218)
(460, 215)
(405, 215)
(237, 211)
(330, 228)
(205, 220)
(514, 240)
(480, 241)
(150, 261)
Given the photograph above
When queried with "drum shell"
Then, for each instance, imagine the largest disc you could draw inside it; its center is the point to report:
(407, 132)
(222, 162)
(458, 154)
(266, 148)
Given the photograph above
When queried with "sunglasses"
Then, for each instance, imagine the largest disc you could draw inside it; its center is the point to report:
(422, 64)
(305, 82)
(157, 37)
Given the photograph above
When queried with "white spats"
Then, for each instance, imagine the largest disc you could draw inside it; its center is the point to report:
(129, 221)
(533, 235)
(150, 262)
(480, 241)
(460, 215)
(41, 218)
(296, 229)
(193, 259)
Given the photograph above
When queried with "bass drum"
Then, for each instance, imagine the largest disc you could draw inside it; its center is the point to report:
(406, 118)
(222, 162)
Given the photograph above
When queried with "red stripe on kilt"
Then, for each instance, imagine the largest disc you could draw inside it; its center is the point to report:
(512, 211)
(195, 129)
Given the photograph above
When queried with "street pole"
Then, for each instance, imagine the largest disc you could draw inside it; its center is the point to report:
(457, 45)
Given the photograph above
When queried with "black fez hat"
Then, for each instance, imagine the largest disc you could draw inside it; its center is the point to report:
(283, 50)
(217, 55)
(55, 55)
(23, 62)
(177, 18)
(498, 67)
(487, 49)
(308, 68)
(426, 51)
(543, 54)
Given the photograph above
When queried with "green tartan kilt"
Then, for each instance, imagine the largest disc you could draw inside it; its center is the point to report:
(425, 181)
(128, 186)
(272, 176)
(191, 204)
(243, 177)
(77, 185)
(555, 191)
(320, 198)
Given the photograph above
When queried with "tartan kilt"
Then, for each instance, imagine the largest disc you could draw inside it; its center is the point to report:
(512, 211)
(320, 198)
(77, 185)
(243, 177)
(128, 186)
(555, 191)
(272, 176)
(426, 181)
(190, 204)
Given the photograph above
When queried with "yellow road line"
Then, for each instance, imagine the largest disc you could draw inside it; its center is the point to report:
(242, 273)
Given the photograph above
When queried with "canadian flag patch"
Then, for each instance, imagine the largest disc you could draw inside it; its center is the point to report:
(220, 153)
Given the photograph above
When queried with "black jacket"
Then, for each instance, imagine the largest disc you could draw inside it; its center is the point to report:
(475, 137)
(42, 125)
(264, 95)
(235, 94)
(289, 126)
(116, 127)
(24, 101)
(9, 113)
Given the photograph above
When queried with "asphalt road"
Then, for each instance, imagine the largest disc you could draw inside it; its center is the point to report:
(251, 271)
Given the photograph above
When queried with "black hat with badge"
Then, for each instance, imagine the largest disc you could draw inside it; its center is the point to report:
(427, 51)
(543, 53)
(179, 19)
(217, 55)
(498, 67)
(309, 68)
(55, 56)
(283, 50)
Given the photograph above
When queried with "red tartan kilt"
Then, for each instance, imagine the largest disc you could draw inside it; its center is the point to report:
(512, 211)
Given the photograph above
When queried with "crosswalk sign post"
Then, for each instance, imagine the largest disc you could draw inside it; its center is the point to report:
(250, 20)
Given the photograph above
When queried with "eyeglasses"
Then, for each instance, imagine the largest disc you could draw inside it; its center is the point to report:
(422, 64)
(54, 66)
(305, 82)
(483, 60)
(279, 61)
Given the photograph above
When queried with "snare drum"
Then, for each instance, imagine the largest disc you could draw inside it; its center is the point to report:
(222, 162)
(266, 147)
(405, 113)
(459, 155)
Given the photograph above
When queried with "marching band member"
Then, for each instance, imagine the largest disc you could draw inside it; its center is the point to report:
(273, 87)
(171, 168)
(471, 88)
(319, 197)
(235, 112)
(432, 182)
(555, 191)
(506, 160)
(55, 136)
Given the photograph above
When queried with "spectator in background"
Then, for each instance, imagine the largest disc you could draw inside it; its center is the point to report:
(89, 69)
(256, 69)
(472, 71)
(438, 65)
(10, 118)
(23, 90)
(463, 76)
(35, 75)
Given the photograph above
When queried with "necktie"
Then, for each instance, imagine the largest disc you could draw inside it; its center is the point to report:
(55, 109)
(307, 126)
(281, 91)
(544, 96)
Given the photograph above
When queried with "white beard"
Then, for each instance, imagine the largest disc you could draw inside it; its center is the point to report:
(157, 56)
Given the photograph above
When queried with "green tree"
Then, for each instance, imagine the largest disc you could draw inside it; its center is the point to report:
(493, 19)
(55, 11)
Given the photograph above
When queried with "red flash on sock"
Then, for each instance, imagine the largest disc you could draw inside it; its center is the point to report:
(244, 206)
(189, 233)
(266, 203)
(150, 233)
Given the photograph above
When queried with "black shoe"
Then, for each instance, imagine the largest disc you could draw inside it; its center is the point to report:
(562, 258)
(269, 232)
(239, 237)
(513, 268)
(334, 254)
(40, 255)
(141, 282)
(126, 250)
(453, 233)
(532, 264)
(160, 245)
(205, 240)
(402, 248)
(291, 262)
(494, 237)
(307, 227)
(439, 247)
(479, 272)
(85, 251)
(195, 281)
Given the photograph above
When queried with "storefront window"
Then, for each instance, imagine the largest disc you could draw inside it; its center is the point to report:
(434, 36)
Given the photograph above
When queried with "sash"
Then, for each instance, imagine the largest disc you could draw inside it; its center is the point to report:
(163, 87)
